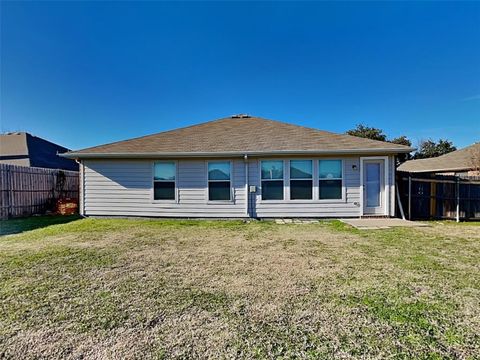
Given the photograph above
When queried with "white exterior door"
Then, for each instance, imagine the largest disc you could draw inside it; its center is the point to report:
(374, 187)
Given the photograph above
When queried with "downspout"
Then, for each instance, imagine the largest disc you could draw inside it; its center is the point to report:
(83, 189)
(457, 191)
(247, 194)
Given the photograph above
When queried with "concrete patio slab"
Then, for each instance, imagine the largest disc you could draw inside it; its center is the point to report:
(374, 224)
(296, 221)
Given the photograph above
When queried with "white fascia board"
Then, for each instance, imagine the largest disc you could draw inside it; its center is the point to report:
(74, 155)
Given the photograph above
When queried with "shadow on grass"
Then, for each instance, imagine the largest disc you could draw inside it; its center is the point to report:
(15, 226)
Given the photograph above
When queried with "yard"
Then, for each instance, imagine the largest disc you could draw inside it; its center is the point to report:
(103, 288)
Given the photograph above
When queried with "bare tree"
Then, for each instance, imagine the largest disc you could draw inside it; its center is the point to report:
(475, 158)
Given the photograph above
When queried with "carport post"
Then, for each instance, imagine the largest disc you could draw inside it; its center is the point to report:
(409, 197)
(457, 190)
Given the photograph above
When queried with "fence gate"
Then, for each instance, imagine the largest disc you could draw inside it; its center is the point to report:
(439, 197)
(27, 191)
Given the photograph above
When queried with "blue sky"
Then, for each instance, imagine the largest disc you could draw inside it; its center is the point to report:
(85, 73)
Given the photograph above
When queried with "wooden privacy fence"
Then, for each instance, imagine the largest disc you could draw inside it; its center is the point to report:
(27, 191)
(440, 197)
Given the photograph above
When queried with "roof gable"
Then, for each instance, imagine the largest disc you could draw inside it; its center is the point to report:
(250, 135)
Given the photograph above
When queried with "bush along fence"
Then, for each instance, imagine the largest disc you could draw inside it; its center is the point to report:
(28, 191)
(439, 196)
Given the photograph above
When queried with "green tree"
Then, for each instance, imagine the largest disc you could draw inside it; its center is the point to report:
(429, 148)
(377, 134)
(401, 140)
(364, 131)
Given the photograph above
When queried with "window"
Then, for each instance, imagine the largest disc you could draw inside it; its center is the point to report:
(330, 179)
(219, 176)
(301, 179)
(272, 179)
(164, 180)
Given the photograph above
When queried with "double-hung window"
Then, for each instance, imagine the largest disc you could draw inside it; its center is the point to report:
(301, 179)
(330, 174)
(219, 181)
(272, 179)
(164, 180)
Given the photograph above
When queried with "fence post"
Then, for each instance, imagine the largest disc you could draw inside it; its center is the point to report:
(409, 197)
(433, 199)
(457, 190)
(9, 193)
(399, 199)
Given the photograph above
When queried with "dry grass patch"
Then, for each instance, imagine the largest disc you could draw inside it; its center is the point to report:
(198, 289)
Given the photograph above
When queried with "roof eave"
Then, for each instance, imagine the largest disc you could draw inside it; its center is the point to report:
(153, 155)
(419, 171)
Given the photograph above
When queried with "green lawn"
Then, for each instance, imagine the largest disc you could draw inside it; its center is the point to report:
(102, 288)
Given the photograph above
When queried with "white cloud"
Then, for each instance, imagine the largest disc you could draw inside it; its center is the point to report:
(474, 97)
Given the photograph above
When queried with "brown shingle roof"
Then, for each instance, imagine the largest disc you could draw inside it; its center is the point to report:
(242, 135)
(455, 161)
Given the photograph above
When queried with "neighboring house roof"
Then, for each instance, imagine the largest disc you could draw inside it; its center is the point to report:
(459, 160)
(239, 135)
(24, 149)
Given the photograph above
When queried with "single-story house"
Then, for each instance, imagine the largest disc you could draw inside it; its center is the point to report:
(239, 167)
(24, 149)
(465, 161)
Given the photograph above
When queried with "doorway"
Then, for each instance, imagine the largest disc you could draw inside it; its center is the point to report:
(373, 183)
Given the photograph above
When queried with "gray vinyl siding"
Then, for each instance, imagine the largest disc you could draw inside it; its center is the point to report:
(124, 188)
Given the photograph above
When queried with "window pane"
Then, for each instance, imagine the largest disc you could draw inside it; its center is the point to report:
(300, 189)
(219, 170)
(373, 172)
(272, 190)
(373, 184)
(330, 169)
(164, 171)
(301, 169)
(219, 190)
(330, 189)
(272, 169)
(164, 190)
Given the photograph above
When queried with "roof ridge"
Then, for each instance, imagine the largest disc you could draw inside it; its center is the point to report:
(242, 134)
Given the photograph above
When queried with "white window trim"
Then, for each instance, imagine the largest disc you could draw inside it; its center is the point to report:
(310, 179)
(284, 179)
(386, 182)
(171, 201)
(207, 195)
(315, 190)
(344, 189)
